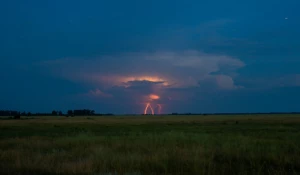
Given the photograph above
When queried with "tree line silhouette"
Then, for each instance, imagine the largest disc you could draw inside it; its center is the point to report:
(88, 112)
(71, 113)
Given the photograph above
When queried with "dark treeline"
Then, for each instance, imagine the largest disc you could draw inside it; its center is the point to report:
(80, 112)
(253, 113)
(87, 112)
(9, 113)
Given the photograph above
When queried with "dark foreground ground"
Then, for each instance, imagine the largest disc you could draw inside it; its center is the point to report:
(249, 144)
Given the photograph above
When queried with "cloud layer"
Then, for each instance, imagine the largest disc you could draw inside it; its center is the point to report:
(144, 77)
(183, 69)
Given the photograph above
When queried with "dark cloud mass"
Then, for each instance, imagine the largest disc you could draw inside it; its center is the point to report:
(132, 77)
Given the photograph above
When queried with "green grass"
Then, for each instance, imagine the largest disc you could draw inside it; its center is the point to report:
(249, 144)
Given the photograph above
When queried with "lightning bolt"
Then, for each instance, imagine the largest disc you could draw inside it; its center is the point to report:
(159, 108)
(151, 109)
(146, 109)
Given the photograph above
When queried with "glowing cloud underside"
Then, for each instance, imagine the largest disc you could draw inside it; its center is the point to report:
(154, 97)
(112, 80)
(145, 78)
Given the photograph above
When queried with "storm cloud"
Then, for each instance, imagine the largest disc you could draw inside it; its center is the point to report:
(132, 77)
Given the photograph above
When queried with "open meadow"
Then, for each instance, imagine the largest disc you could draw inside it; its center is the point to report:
(237, 144)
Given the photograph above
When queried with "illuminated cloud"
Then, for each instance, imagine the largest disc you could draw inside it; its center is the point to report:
(123, 80)
(140, 78)
(167, 68)
(154, 97)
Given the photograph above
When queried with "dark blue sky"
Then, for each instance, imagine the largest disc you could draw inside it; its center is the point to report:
(213, 56)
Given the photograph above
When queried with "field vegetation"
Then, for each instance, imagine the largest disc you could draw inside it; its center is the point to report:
(246, 144)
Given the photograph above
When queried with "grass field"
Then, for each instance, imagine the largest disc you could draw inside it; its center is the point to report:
(248, 144)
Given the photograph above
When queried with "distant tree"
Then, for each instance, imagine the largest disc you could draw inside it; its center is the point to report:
(29, 114)
(70, 112)
(92, 112)
(83, 112)
(23, 113)
(60, 113)
(54, 112)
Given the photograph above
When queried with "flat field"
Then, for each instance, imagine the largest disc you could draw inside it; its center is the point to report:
(245, 144)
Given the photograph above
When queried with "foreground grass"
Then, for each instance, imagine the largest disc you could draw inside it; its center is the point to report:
(151, 145)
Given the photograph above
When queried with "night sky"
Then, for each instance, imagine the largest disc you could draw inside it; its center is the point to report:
(118, 56)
